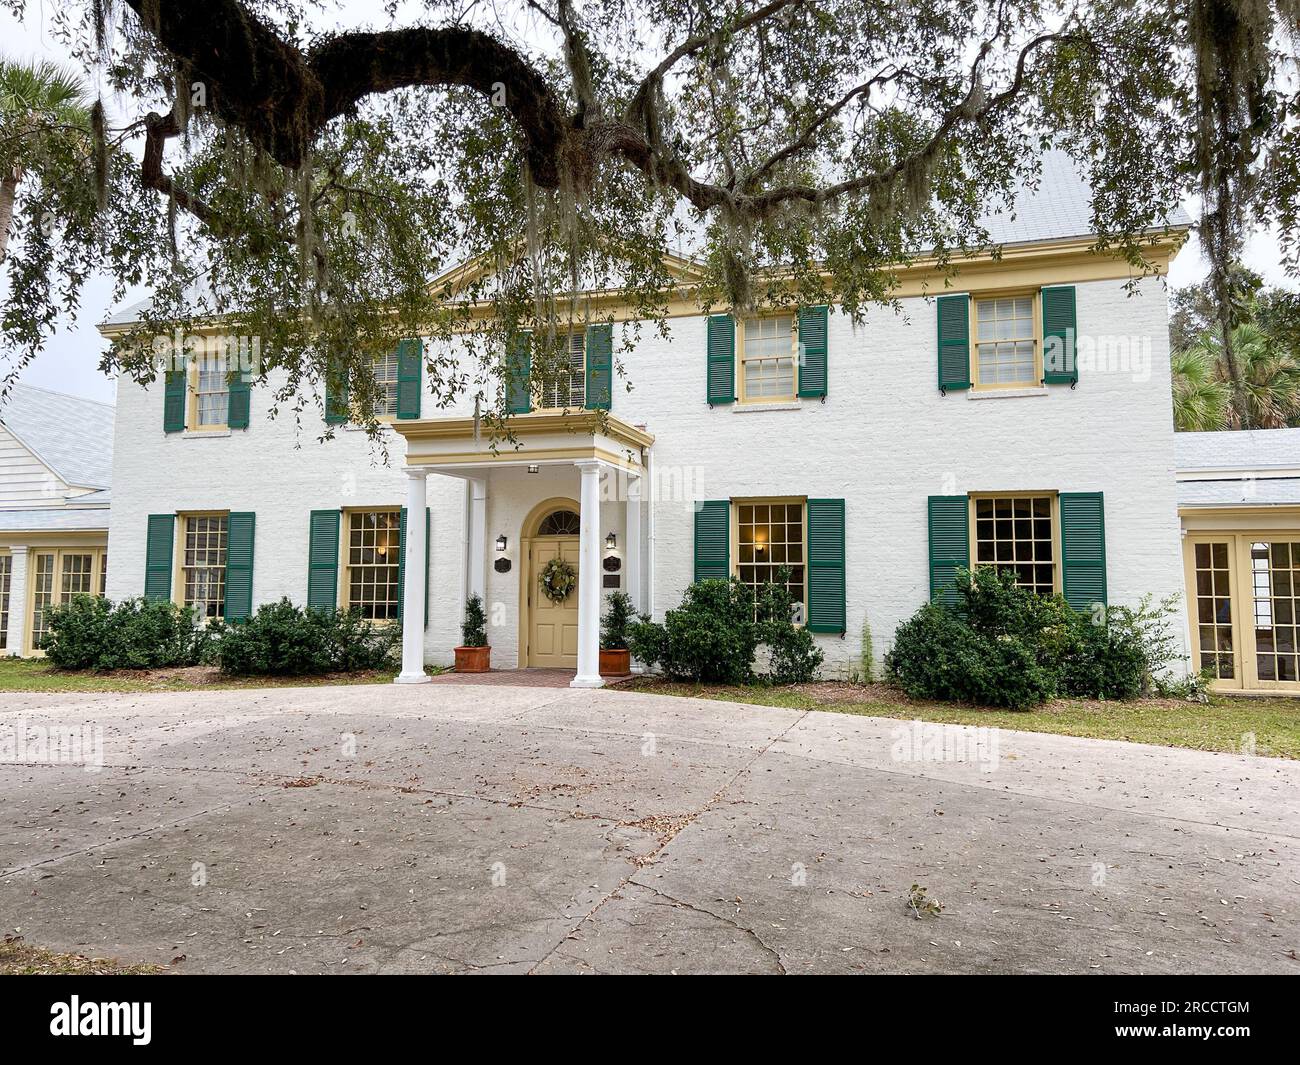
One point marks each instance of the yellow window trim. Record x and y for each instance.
(344, 586)
(1241, 595)
(1051, 494)
(178, 552)
(1035, 312)
(192, 403)
(734, 546)
(56, 593)
(741, 395)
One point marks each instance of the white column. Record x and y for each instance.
(588, 675)
(416, 565)
(476, 584)
(16, 640)
(632, 551)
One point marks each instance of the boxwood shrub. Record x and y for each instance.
(89, 632)
(281, 639)
(1002, 645)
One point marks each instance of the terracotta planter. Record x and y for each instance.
(473, 659)
(616, 663)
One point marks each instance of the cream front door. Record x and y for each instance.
(552, 627)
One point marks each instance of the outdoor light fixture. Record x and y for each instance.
(501, 543)
(611, 542)
(533, 467)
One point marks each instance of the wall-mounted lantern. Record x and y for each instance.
(501, 542)
(611, 542)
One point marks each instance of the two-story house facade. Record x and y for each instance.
(1017, 415)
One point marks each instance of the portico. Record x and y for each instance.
(519, 503)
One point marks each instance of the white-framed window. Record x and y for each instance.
(203, 563)
(568, 389)
(1017, 532)
(209, 406)
(386, 370)
(768, 358)
(1006, 342)
(771, 539)
(372, 563)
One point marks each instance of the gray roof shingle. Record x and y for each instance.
(71, 435)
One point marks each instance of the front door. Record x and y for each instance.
(552, 627)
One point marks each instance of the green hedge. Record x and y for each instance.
(280, 639)
(1001, 645)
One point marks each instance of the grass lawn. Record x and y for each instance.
(37, 675)
(1220, 725)
(18, 959)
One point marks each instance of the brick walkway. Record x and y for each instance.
(527, 678)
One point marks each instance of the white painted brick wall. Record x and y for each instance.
(884, 440)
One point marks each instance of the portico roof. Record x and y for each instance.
(541, 438)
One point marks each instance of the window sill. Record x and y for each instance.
(1006, 393)
(750, 408)
(204, 434)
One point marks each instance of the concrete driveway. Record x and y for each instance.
(450, 828)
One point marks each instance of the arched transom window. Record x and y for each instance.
(559, 523)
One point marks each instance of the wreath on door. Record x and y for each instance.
(558, 578)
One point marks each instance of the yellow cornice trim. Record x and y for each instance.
(528, 425)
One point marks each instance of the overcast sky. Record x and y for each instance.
(70, 360)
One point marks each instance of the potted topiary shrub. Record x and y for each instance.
(474, 655)
(615, 658)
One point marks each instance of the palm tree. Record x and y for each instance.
(1200, 395)
(38, 101)
(1269, 393)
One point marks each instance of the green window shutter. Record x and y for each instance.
(954, 342)
(721, 386)
(410, 354)
(1083, 549)
(174, 401)
(238, 401)
(600, 365)
(949, 524)
(812, 351)
(401, 563)
(826, 566)
(518, 372)
(323, 560)
(158, 556)
(336, 397)
(1059, 331)
(713, 540)
(239, 565)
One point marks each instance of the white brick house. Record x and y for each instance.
(883, 481)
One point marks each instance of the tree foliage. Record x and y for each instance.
(275, 164)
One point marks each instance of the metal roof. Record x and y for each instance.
(71, 435)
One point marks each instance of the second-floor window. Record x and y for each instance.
(386, 369)
(1006, 345)
(767, 358)
(568, 389)
(209, 393)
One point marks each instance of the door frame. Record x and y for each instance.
(1242, 587)
(527, 533)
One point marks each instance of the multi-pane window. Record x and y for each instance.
(211, 393)
(1275, 576)
(386, 384)
(1214, 608)
(1004, 341)
(203, 563)
(569, 387)
(57, 575)
(373, 562)
(1015, 533)
(767, 358)
(771, 547)
(6, 578)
